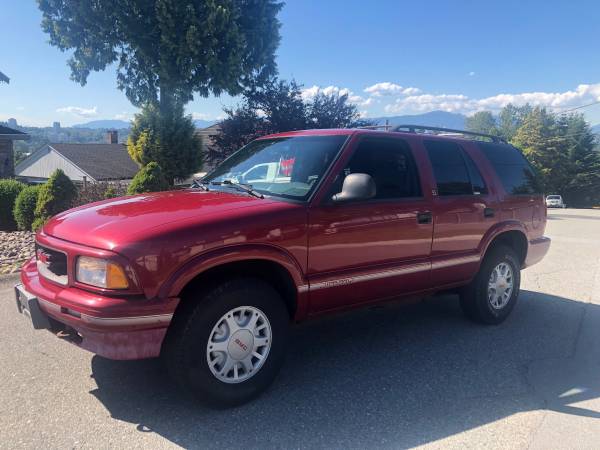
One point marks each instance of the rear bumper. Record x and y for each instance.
(115, 328)
(536, 250)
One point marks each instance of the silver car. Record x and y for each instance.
(555, 201)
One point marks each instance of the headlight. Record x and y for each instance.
(100, 273)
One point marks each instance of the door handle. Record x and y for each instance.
(488, 212)
(424, 217)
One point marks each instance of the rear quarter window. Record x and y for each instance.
(515, 173)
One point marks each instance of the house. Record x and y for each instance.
(82, 163)
(7, 136)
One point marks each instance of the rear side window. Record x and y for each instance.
(515, 172)
(455, 173)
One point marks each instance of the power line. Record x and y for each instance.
(579, 107)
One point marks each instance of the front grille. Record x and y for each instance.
(51, 264)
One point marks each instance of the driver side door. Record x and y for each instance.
(371, 249)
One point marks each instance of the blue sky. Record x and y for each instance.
(392, 57)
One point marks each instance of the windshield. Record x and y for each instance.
(553, 197)
(284, 167)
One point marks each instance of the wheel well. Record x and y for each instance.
(268, 271)
(513, 239)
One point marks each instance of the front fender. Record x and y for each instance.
(236, 253)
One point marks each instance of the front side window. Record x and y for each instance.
(289, 167)
(515, 173)
(391, 165)
(449, 168)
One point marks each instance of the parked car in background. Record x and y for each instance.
(555, 201)
(211, 277)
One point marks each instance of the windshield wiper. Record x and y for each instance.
(244, 187)
(200, 184)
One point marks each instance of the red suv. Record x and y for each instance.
(292, 226)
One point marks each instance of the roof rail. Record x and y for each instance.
(413, 128)
(386, 127)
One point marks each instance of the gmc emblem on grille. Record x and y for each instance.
(44, 257)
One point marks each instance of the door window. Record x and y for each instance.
(391, 165)
(455, 173)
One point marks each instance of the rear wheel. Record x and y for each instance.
(492, 295)
(229, 347)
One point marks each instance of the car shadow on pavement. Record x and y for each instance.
(397, 375)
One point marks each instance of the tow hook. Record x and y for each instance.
(70, 334)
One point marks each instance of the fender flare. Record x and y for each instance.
(496, 230)
(199, 264)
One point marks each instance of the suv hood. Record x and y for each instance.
(110, 223)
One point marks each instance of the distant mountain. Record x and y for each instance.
(97, 124)
(204, 123)
(433, 119)
(120, 124)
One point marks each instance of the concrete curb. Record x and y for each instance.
(9, 279)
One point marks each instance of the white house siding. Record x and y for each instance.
(44, 162)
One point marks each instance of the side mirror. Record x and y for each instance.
(357, 186)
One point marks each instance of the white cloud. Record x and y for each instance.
(386, 88)
(78, 111)
(557, 101)
(311, 92)
(20, 108)
(124, 116)
(471, 74)
(201, 116)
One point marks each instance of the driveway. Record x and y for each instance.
(395, 376)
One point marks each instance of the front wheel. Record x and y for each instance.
(492, 295)
(229, 347)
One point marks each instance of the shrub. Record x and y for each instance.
(9, 190)
(150, 178)
(25, 207)
(55, 196)
(168, 138)
(110, 192)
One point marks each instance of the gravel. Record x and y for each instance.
(16, 247)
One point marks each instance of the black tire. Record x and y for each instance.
(185, 347)
(474, 297)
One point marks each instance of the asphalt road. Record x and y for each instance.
(395, 376)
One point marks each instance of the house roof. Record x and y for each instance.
(12, 134)
(100, 161)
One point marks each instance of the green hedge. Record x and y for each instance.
(9, 190)
(55, 196)
(150, 178)
(25, 207)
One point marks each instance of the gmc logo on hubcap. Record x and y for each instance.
(241, 344)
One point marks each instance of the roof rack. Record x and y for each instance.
(413, 128)
(386, 127)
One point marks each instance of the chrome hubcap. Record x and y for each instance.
(239, 344)
(500, 285)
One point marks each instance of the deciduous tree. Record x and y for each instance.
(278, 106)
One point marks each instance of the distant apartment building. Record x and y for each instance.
(56, 125)
(12, 123)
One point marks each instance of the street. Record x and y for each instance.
(394, 376)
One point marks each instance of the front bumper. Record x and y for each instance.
(113, 327)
